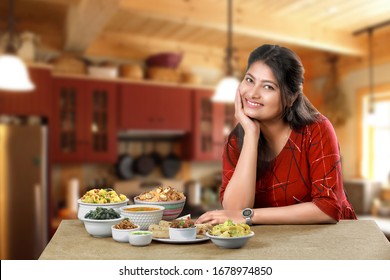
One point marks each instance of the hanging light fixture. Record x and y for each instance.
(371, 102)
(227, 87)
(13, 72)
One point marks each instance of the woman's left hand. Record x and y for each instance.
(250, 125)
(220, 216)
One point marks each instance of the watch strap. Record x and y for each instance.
(247, 213)
(248, 221)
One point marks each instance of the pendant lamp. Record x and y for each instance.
(13, 72)
(371, 104)
(227, 87)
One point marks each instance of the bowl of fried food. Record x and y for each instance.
(172, 200)
(230, 235)
(120, 231)
(94, 198)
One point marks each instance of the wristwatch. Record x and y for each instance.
(247, 213)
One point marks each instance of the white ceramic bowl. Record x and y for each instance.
(172, 208)
(122, 235)
(182, 233)
(100, 228)
(84, 208)
(143, 218)
(140, 237)
(230, 242)
(103, 71)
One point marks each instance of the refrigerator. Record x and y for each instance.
(24, 220)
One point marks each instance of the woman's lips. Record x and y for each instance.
(252, 104)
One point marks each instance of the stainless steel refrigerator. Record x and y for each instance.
(23, 190)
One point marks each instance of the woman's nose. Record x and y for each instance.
(252, 92)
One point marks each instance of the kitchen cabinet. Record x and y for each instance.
(154, 107)
(212, 122)
(84, 121)
(36, 102)
(225, 122)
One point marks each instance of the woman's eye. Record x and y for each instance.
(269, 87)
(249, 80)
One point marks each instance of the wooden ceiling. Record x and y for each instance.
(131, 30)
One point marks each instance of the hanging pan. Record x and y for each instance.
(124, 165)
(144, 164)
(157, 158)
(171, 164)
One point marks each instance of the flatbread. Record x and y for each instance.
(162, 229)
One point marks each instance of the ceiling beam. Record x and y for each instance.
(86, 21)
(213, 16)
(59, 2)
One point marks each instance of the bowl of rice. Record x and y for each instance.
(94, 198)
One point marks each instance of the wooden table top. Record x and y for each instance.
(346, 240)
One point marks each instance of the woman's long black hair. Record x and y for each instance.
(297, 109)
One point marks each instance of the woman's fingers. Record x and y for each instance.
(237, 104)
(239, 111)
(248, 124)
(219, 217)
(210, 217)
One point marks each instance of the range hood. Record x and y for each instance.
(136, 134)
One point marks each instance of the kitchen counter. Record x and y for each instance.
(346, 240)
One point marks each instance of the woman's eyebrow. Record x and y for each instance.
(249, 74)
(269, 81)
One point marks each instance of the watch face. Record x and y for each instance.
(247, 212)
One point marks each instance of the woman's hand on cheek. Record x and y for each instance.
(248, 124)
(220, 216)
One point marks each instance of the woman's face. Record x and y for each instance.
(260, 93)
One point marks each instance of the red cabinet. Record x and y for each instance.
(36, 102)
(152, 107)
(84, 121)
(212, 122)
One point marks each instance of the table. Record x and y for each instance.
(346, 240)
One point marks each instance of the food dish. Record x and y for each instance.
(182, 233)
(84, 208)
(161, 230)
(140, 238)
(230, 242)
(143, 218)
(102, 196)
(187, 241)
(172, 208)
(172, 200)
(120, 231)
(100, 228)
(161, 194)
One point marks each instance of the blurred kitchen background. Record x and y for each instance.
(122, 99)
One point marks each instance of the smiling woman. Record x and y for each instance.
(283, 158)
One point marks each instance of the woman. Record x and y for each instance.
(281, 163)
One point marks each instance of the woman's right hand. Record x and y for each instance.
(250, 126)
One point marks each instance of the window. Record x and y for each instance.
(376, 139)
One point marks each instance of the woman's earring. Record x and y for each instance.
(289, 114)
